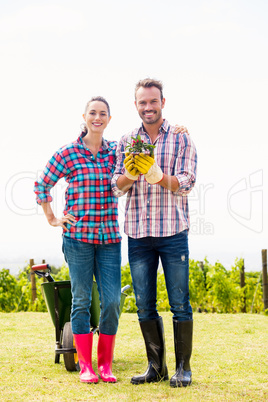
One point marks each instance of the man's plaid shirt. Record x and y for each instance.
(89, 197)
(152, 210)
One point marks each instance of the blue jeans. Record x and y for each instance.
(144, 256)
(104, 262)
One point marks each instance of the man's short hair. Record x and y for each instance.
(148, 83)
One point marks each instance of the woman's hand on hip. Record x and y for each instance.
(68, 218)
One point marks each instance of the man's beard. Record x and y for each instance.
(157, 116)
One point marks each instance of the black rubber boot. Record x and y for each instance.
(153, 334)
(183, 336)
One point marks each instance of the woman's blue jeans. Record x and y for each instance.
(144, 256)
(104, 262)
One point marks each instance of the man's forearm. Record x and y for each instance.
(169, 182)
(124, 184)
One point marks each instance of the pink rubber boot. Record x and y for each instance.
(105, 357)
(83, 344)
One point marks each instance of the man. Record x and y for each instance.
(157, 224)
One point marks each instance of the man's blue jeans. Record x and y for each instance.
(104, 262)
(144, 256)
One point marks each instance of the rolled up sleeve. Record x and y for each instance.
(186, 165)
(53, 172)
(119, 169)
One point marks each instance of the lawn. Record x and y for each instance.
(229, 361)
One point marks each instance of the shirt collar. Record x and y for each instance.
(105, 145)
(163, 129)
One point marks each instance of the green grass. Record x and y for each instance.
(229, 361)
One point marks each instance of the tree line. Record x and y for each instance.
(213, 289)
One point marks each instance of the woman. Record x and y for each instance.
(91, 238)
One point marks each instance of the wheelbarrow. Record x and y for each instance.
(58, 299)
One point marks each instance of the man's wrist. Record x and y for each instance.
(170, 183)
(130, 176)
(124, 184)
(154, 175)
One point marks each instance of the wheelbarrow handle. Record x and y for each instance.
(38, 270)
(125, 288)
(41, 267)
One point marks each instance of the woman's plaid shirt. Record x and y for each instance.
(89, 197)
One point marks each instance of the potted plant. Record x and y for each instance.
(138, 146)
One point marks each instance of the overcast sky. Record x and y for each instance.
(212, 58)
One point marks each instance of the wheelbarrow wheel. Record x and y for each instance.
(70, 359)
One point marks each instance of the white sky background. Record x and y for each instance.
(212, 57)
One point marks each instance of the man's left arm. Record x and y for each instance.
(186, 166)
(170, 182)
